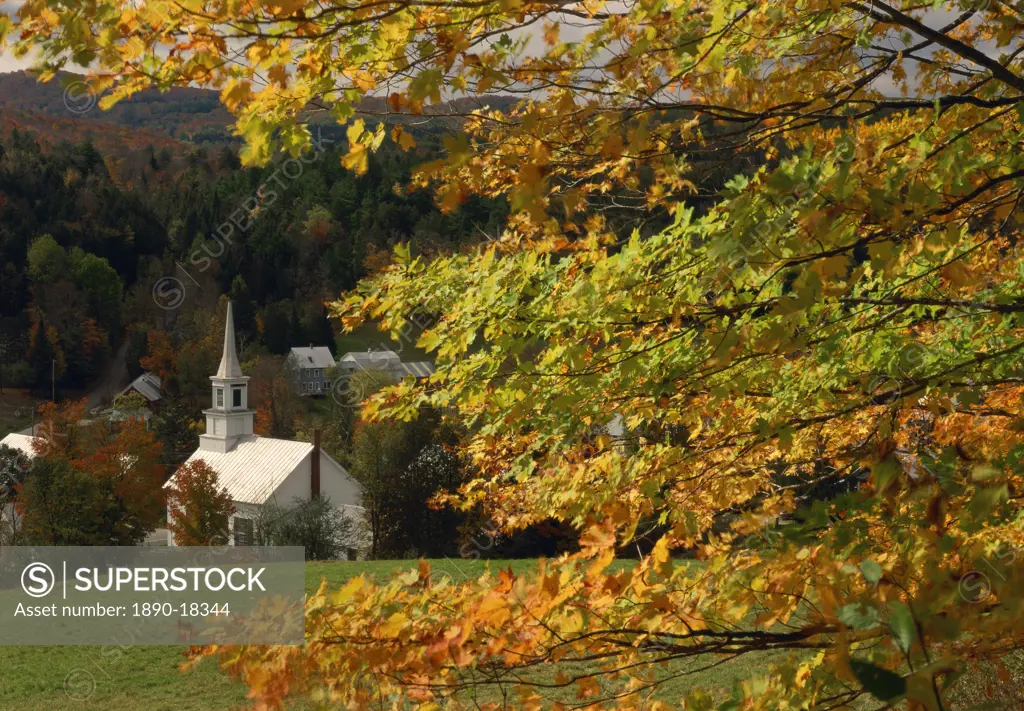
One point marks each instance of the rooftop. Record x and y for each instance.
(371, 359)
(312, 357)
(147, 384)
(21, 442)
(419, 369)
(255, 467)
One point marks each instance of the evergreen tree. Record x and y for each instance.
(243, 307)
(41, 356)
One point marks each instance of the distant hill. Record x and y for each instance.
(109, 138)
(183, 114)
(192, 115)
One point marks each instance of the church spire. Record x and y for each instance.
(229, 367)
(229, 420)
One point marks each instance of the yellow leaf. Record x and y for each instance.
(354, 133)
(235, 94)
(395, 624)
(660, 555)
(357, 159)
(403, 138)
(349, 589)
(613, 147)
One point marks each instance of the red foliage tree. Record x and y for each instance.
(160, 358)
(197, 510)
(122, 460)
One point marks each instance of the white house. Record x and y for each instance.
(23, 444)
(260, 470)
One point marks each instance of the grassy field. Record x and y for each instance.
(16, 407)
(148, 678)
(369, 337)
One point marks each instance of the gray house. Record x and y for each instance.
(310, 366)
(148, 386)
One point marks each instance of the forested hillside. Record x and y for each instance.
(120, 256)
(186, 114)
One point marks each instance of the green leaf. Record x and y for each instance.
(859, 616)
(886, 472)
(987, 498)
(901, 620)
(984, 472)
(872, 571)
(881, 683)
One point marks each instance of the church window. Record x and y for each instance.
(236, 396)
(243, 531)
(220, 397)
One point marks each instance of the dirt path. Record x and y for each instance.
(110, 382)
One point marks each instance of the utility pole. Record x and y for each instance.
(53, 380)
(3, 360)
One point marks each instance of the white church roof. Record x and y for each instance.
(22, 443)
(255, 467)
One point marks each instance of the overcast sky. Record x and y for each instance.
(7, 62)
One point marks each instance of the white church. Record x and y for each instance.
(258, 470)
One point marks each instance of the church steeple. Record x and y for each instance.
(229, 419)
(229, 367)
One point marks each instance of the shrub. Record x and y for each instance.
(323, 530)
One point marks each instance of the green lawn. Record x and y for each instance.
(148, 678)
(16, 407)
(369, 337)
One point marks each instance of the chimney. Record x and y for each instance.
(314, 467)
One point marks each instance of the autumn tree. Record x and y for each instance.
(59, 505)
(76, 303)
(846, 306)
(185, 354)
(177, 424)
(159, 357)
(272, 394)
(108, 474)
(198, 512)
(399, 469)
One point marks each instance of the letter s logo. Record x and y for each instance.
(37, 579)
